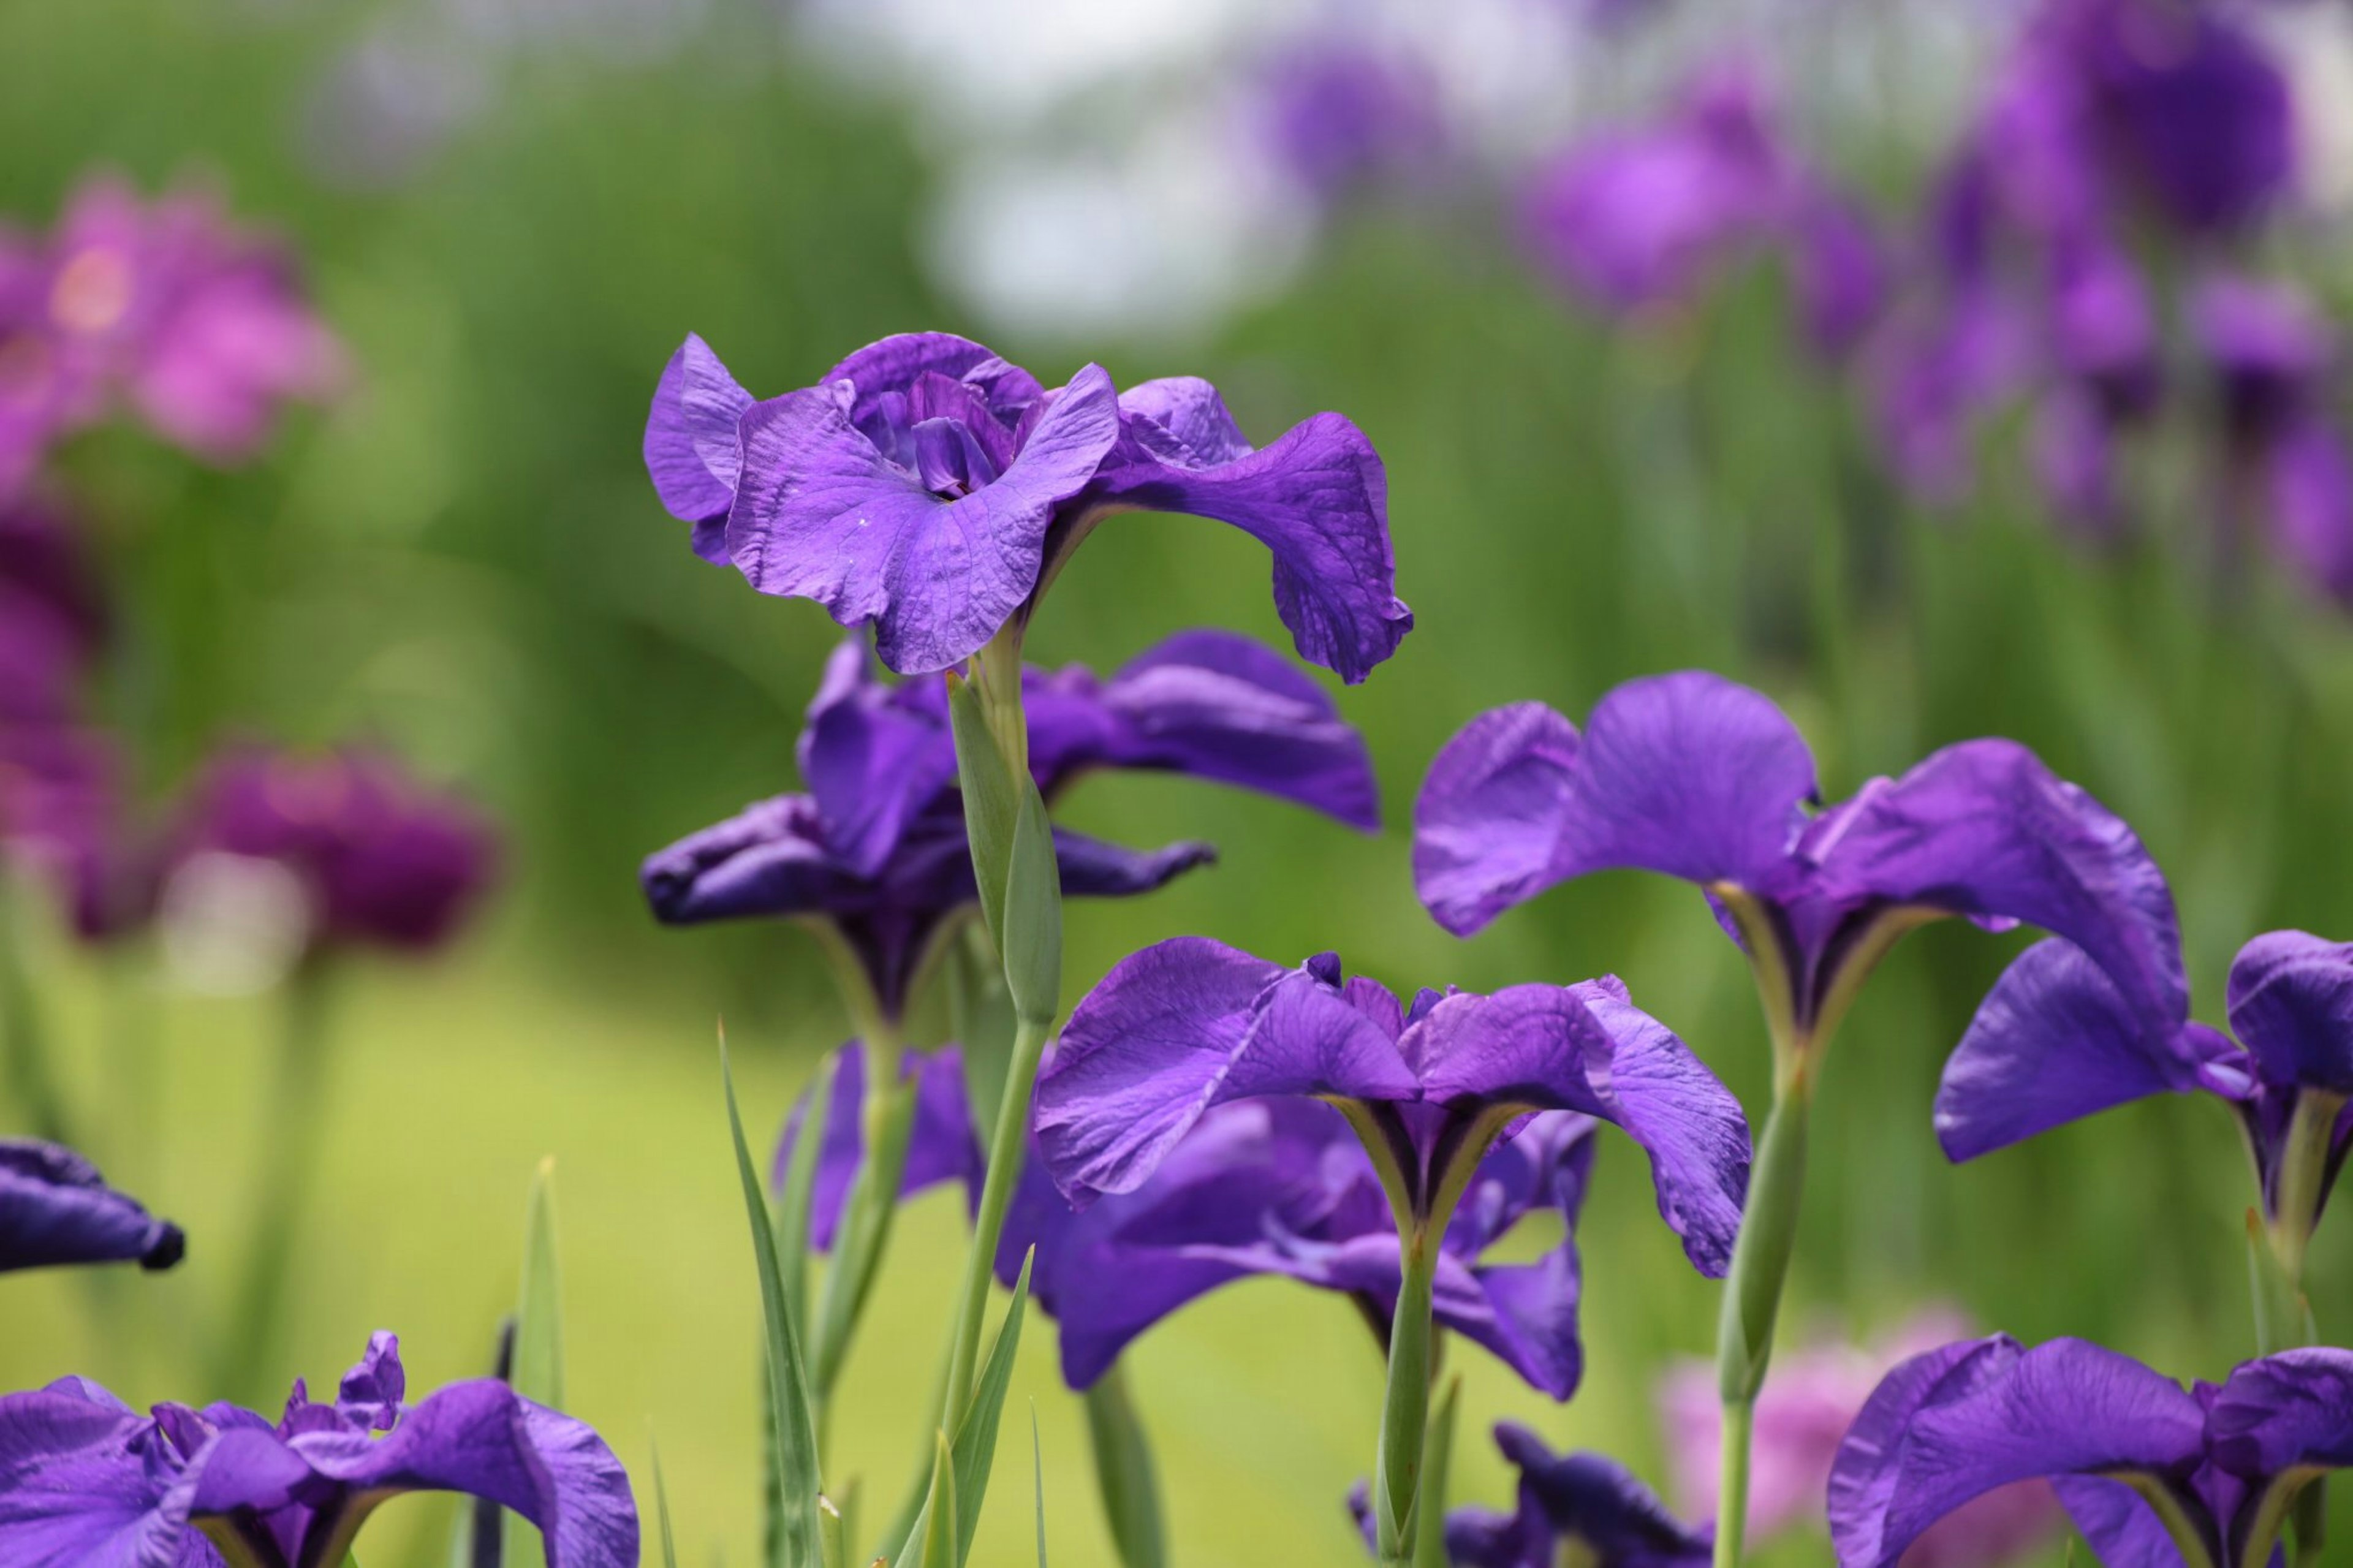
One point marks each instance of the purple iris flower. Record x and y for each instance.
(1261, 1187)
(2151, 1473)
(89, 1480)
(877, 846)
(1190, 1025)
(55, 1208)
(2054, 1041)
(386, 861)
(929, 488)
(202, 329)
(1693, 776)
(2286, 464)
(1639, 218)
(1571, 1508)
(50, 620)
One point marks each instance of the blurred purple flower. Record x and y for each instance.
(1340, 116)
(384, 861)
(1260, 1187)
(1809, 1401)
(199, 329)
(931, 488)
(876, 845)
(1637, 219)
(2053, 1042)
(1571, 1508)
(65, 819)
(90, 1481)
(50, 620)
(55, 1208)
(1695, 777)
(2115, 1439)
(1189, 1023)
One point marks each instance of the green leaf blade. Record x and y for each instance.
(536, 1370)
(976, 1444)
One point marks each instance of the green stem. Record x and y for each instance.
(23, 1032)
(1005, 1147)
(1405, 1406)
(1752, 1298)
(289, 1163)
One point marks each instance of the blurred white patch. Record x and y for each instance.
(233, 925)
(2315, 42)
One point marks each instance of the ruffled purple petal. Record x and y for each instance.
(483, 1439)
(887, 369)
(1181, 1027)
(2054, 1041)
(2283, 1412)
(1599, 1504)
(1317, 499)
(1984, 829)
(821, 513)
(1587, 1048)
(84, 1481)
(55, 1208)
(692, 449)
(1220, 706)
(1955, 1423)
(2291, 1005)
(1491, 815)
(371, 1393)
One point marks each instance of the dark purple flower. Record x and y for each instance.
(386, 861)
(1639, 218)
(50, 621)
(932, 490)
(55, 1208)
(85, 1480)
(877, 844)
(165, 308)
(64, 819)
(2053, 1041)
(1696, 777)
(1189, 1023)
(1339, 116)
(1572, 1507)
(1260, 1187)
(2149, 1470)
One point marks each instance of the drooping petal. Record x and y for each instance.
(55, 1208)
(1183, 1026)
(821, 513)
(693, 450)
(1492, 813)
(941, 1142)
(2291, 1005)
(2117, 1524)
(483, 1439)
(1587, 1048)
(1955, 1423)
(1983, 829)
(1220, 706)
(767, 860)
(2054, 1041)
(1317, 498)
(1097, 869)
(1689, 775)
(83, 1482)
(1598, 1503)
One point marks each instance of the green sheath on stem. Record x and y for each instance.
(1405, 1408)
(1124, 1473)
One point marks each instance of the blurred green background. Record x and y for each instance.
(465, 558)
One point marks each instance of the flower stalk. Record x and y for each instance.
(1405, 1407)
(1752, 1296)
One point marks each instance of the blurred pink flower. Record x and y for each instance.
(166, 308)
(1811, 1397)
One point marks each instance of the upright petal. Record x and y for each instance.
(483, 1439)
(1587, 1048)
(2291, 1002)
(1181, 1027)
(1983, 829)
(692, 450)
(2054, 1041)
(1222, 707)
(372, 1391)
(1317, 499)
(821, 513)
(1955, 1423)
(55, 1208)
(872, 762)
(1488, 825)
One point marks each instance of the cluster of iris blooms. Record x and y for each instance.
(1205, 1114)
(165, 312)
(2094, 250)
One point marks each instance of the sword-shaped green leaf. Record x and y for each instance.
(1437, 1458)
(976, 1444)
(940, 1550)
(661, 1512)
(992, 801)
(1124, 1473)
(796, 1468)
(1037, 1476)
(537, 1368)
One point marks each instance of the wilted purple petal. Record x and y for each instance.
(55, 1208)
(1590, 1501)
